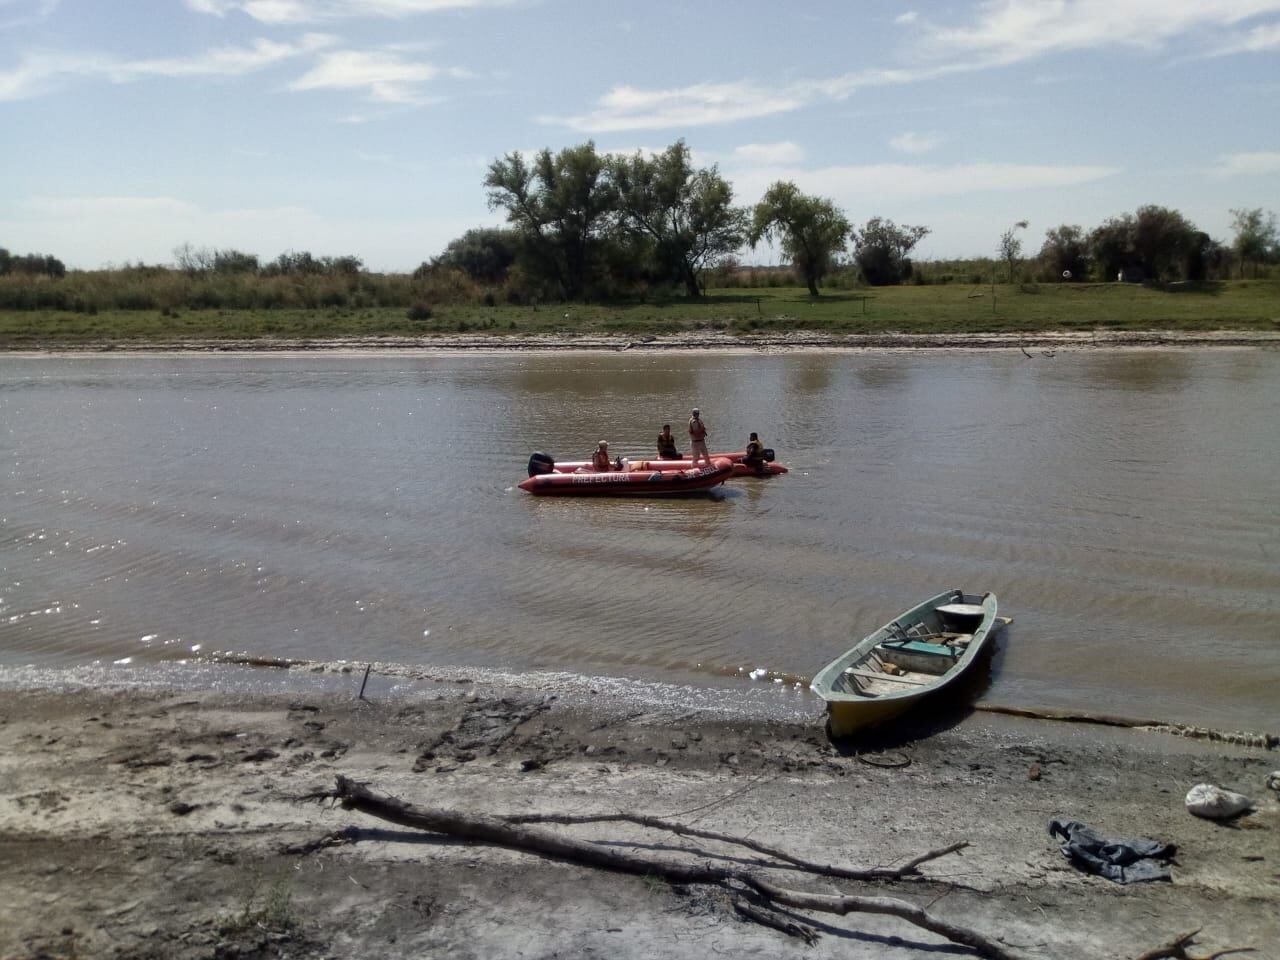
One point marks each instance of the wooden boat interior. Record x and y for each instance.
(898, 658)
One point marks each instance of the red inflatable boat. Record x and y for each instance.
(740, 469)
(631, 482)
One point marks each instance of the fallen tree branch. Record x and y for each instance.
(775, 922)
(910, 868)
(547, 843)
(1176, 949)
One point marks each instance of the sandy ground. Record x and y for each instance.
(1035, 343)
(154, 824)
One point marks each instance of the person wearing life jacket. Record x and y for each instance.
(698, 438)
(667, 444)
(755, 453)
(600, 462)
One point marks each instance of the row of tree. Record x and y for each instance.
(1155, 243)
(582, 221)
(199, 261)
(576, 213)
(30, 265)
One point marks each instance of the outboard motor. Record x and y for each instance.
(540, 463)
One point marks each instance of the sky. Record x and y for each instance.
(365, 127)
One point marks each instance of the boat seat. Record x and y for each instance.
(961, 609)
(877, 675)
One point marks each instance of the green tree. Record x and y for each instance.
(485, 255)
(1162, 240)
(1011, 247)
(1111, 245)
(234, 261)
(1255, 236)
(810, 230)
(1065, 252)
(560, 204)
(881, 250)
(686, 213)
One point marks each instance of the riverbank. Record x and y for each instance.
(155, 823)
(737, 316)
(1035, 343)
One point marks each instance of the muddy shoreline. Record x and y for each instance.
(156, 823)
(1030, 341)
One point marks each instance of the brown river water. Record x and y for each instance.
(1124, 505)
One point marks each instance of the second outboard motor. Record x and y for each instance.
(540, 463)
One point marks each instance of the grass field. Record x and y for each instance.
(1237, 305)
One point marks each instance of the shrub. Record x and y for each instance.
(419, 311)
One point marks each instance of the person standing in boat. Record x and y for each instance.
(698, 438)
(755, 453)
(600, 458)
(667, 444)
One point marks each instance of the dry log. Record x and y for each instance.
(908, 869)
(775, 922)
(1176, 949)
(547, 843)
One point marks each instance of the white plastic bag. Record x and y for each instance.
(1214, 803)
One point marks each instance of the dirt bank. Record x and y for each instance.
(688, 340)
(157, 824)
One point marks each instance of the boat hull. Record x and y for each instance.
(920, 654)
(629, 483)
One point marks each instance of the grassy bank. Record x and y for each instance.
(1237, 305)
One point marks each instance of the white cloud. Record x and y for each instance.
(78, 208)
(383, 76)
(1003, 32)
(20, 13)
(769, 153)
(851, 185)
(628, 108)
(909, 17)
(1010, 31)
(311, 11)
(1258, 40)
(38, 72)
(914, 143)
(222, 61)
(1257, 164)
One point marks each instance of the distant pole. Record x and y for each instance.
(364, 681)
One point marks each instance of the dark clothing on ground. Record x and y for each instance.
(1124, 861)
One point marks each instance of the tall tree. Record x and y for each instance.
(1065, 252)
(1011, 247)
(881, 249)
(484, 254)
(1111, 245)
(560, 204)
(687, 213)
(1255, 236)
(1162, 238)
(810, 230)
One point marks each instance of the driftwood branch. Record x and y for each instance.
(1176, 949)
(547, 843)
(772, 920)
(908, 869)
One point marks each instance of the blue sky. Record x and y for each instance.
(365, 126)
